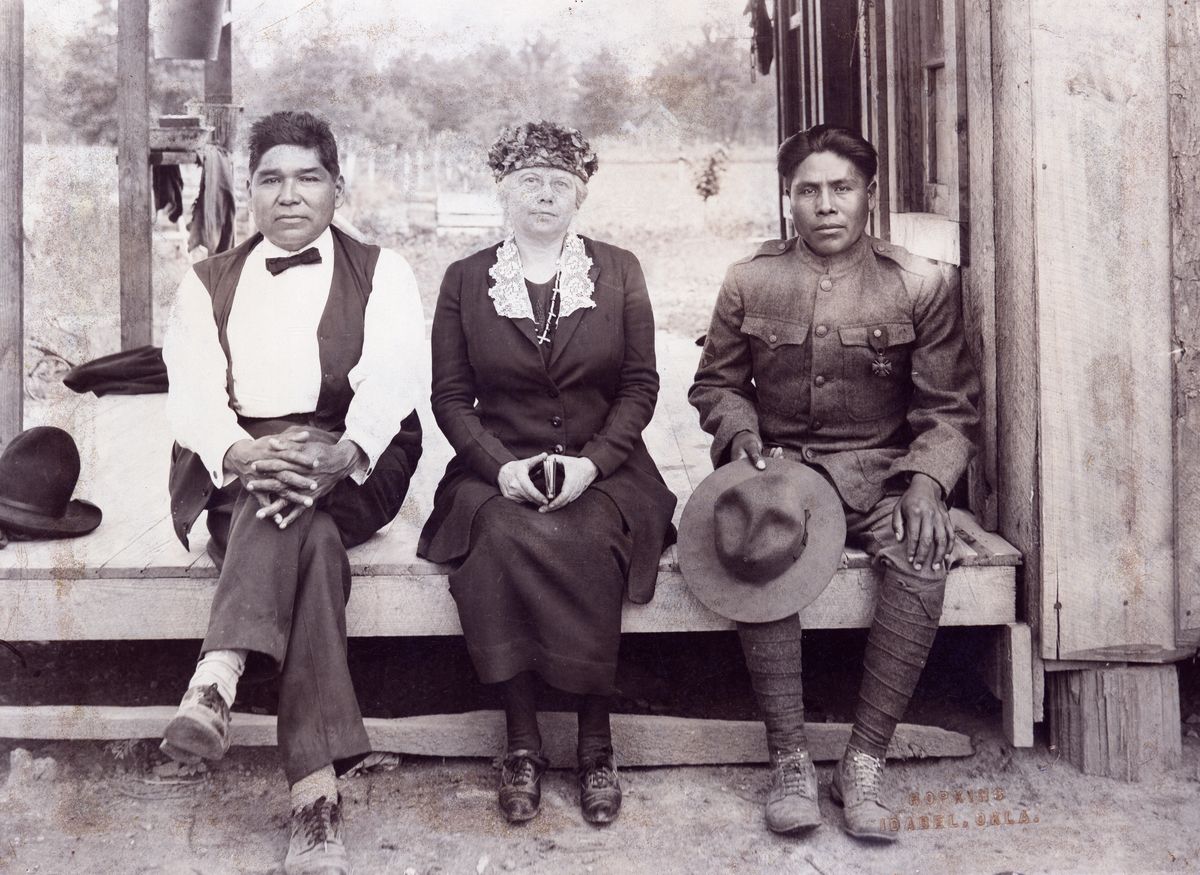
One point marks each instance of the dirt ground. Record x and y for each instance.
(91, 807)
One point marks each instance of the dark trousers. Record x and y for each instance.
(282, 596)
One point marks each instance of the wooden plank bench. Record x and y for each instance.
(131, 579)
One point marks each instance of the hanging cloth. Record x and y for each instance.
(213, 211)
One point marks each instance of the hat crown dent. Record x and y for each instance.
(40, 469)
(760, 527)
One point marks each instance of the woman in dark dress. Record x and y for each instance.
(543, 351)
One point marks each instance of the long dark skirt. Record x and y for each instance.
(542, 592)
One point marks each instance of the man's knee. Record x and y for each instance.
(926, 587)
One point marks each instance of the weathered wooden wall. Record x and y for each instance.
(1016, 303)
(1100, 219)
(1183, 62)
(12, 234)
(979, 286)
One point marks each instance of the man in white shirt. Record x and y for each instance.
(295, 361)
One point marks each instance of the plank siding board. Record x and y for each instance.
(979, 280)
(1016, 307)
(133, 157)
(12, 230)
(1104, 325)
(643, 740)
(1183, 59)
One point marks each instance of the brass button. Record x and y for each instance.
(822, 330)
(782, 246)
(827, 284)
(820, 381)
(817, 424)
(558, 448)
(772, 338)
(556, 421)
(877, 333)
(808, 453)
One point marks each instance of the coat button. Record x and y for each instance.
(556, 421)
(877, 333)
(822, 330)
(827, 284)
(552, 392)
(820, 381)
(817, 425)
(782, 246)
(808, 453)
(772, 338)
(559, 448)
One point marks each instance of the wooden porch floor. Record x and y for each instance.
(132, 579)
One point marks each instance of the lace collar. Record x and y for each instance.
(575, 287)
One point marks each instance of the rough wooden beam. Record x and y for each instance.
(1120, 722)
(12, 229)
(133, 157)
(1183, 63)
(640, 740)
(1008, 671)
(386, 605)
(1016, 300)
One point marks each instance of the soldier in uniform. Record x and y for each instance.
(845, 353)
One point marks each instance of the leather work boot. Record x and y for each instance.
(200, 728)
(599, 789)
(856, 785)
(521, 784)
(316, 846)
(792, 798)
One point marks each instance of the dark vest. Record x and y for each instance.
(339, 339)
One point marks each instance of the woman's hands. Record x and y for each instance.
(514, 481)
(516, 485)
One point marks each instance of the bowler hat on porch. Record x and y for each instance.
(757, 546)
(38, 472)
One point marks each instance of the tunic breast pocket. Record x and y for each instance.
(781, 360)
(876, 368)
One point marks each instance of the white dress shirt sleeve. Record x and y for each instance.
(392, 372)
(198, 410)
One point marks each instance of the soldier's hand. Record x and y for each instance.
(748, 445)
(922, 522)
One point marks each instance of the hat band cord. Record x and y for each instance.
(21, 505)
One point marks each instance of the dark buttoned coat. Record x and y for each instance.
(496, 401)
(855, 362)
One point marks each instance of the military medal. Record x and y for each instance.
(881, 366)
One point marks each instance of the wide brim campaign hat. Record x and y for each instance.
(38, 473)
(757, 546)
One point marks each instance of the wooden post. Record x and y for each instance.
(12, 229)
(219, 110)
(1117, 722)
(133, 158)
(1183, 62)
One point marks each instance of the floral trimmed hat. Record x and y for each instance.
(542, 144)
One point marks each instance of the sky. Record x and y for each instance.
(634, 29)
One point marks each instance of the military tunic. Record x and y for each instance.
(853, 363)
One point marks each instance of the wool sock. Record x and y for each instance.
(310, 788)
(595, 733)
(220, 667)
(898, 644)
(772, 652)
(520, 713)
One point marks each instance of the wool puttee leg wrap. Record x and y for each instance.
(901, 636)
(772, 652)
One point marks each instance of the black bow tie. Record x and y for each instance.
(276, 266)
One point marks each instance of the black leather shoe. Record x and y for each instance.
(200, 728)
(521, 784)
(599, 789)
